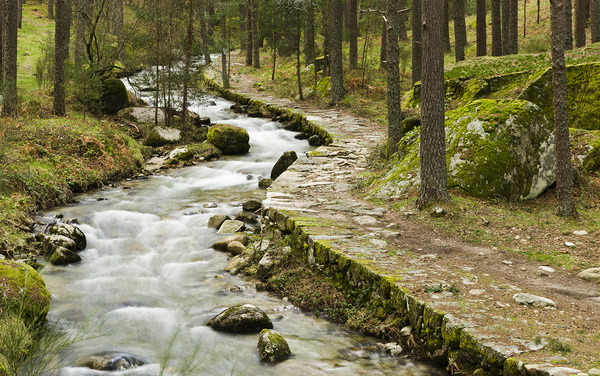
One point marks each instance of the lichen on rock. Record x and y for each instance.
(272, 347)
(230, 139)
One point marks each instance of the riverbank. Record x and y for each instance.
(457, 299)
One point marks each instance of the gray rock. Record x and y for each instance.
(182, 154)
(63, 256)
(112, 362)
(160, 136)
(236, 248)
(246, 318)
(315, 140)
(247, 218)
(592, 275)
(143, 115)
(265, 267)
(544, 271)
(53, 242)
(365, 220)
(265, 183)
(272, 347)
(533, 300)
(237, 264)
(114, 96)
(285, 161)
(550, 370)
(231, 226)
(594, 372)
(222, 244)
(216, 221)
(252, 205)
(72, 232)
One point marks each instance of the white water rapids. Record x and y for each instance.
(149, 274)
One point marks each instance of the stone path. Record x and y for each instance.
(465, 296)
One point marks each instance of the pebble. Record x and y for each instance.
(506, 262)
(580, 232)
(569, 244)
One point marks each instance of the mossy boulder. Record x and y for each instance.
(23, 292)
(494, 148)
(591, 162)
(241, 318)
(272, 347)
(583, 96)
(229, 138)
(114, 96)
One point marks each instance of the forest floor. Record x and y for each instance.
(468, 263)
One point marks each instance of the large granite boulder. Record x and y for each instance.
(494, 148)
(160, 136)
(143, 115)
(241, 318)
(24, 292)
(272, 347)
(229, 138)
(114, 96)
(71, 232)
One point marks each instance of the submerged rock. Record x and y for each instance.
(246, 318)
(112, 362)
(229, 138)
(282, 164)
(272, 347)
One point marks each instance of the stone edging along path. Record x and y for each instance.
(347, 240)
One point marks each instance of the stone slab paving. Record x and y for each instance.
(481, 323)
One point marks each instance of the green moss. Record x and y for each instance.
(592, 160)
(24, 292)
(114, 96)
(229, 138)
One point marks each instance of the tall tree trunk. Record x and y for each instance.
(325, 14)
(496, 29)
(249, 36)
(9, 79)
(564, 173)
(580, 22)
(402, 34)
(203, 32)
(481, 28)
(298, 36)
(417, 45)
(383, 49)
(255, 35)
(19, 13)
(117, 27)
(513, 27)
(434, 177)
(309, 36)
(2, 46)
(505, 27)
(188, 55)
(460, 29)
(568, 26)
(353, 21)
(82, 9)
(51, 9)
(595, 20)
(224, 51)
(61, 52)
(242, 25)
(335, 61)
(394, 92)
(447, 45)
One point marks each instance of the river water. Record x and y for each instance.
(150, 281)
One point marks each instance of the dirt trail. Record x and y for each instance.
(474, 284)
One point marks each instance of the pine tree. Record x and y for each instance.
(61, 53)
(564, 170)
(394, 91)
(335, 51)
(580, 22)
(434, 177)
(353, 43)
(9, 79)
(496, 29)
(460, 30)
(595, 20)
(417, 46)
(481, 28)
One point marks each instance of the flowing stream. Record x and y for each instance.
(150, 280)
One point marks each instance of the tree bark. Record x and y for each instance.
(61, 52)
(496, 29)
(19, 13)
(417, 46)
(595, 20)
(335, 35)
(568, 25)
(394, 92)
(249, 36)
(309, 36)
(447, 45)
(203, 32)
(51, 9)
(513, 27)
(481, 28)
(383, 49)
(242, 25)
(188, 55)
(460, 30)
(10, 104)
(2, 14)
(434, 177)
(564, 173)
(298, 36)
(117, 26)
(255, 36)
(353, 21)
(505, 28)
(580, 22)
